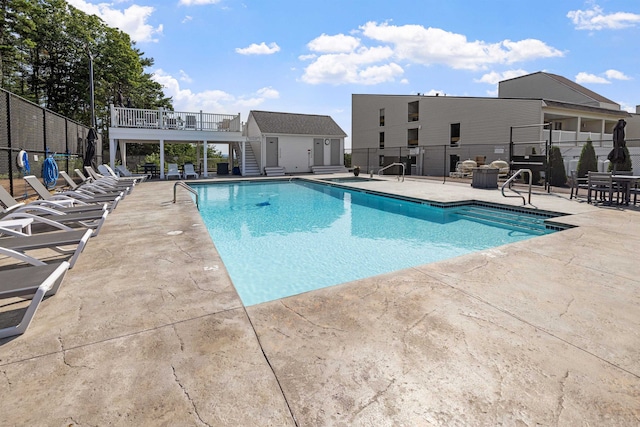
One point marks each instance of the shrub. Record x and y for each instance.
(588, 161)
(558, 176)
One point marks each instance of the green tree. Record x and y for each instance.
(558, 173)
(587, 161)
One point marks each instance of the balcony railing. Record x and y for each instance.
(122, 117)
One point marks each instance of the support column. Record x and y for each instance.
(162, 159)
(243, 163)
(206, 171)
(578, 130)
(112, 153)
(123, 152)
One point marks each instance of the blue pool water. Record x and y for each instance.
(278, 239)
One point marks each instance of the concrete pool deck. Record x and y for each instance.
(147, 329)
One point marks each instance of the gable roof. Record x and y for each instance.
(296, 124)
(573, 86)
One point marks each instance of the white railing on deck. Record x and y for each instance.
(179, 120)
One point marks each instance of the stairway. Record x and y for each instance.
(251, 167)
(329, 169)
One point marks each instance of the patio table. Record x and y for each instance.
(625, 182)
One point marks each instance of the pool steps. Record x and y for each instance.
(521, 221)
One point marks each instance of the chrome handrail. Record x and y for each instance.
(191, 190)
(393, 164)
(510, 180)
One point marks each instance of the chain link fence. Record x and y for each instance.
(41, 133)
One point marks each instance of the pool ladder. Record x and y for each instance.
(189, 189)
(393, 164)
(510, 180)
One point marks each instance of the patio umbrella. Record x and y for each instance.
(91, 147)
(617, 155)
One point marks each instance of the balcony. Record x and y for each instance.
(139, 118)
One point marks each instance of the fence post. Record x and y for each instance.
(10, 153)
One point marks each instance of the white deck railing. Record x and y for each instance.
(122, 117)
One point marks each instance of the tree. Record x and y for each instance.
(588, 160)
(558, 176)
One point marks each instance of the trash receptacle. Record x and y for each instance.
(485, 178)
(223, 169)
(235, 170)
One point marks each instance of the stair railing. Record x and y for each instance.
(513, 178)
(393, 164)
(189, 189)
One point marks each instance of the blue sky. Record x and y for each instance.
(233, 56)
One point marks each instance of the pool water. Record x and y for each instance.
(278, 239)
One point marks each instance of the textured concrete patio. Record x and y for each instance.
(147, 329)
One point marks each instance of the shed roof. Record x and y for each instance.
(296, 124)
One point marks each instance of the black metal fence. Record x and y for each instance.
(41, 133)
(441, 160)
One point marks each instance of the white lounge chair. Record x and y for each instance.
(63, 242)
(73, 198)
(125, 173)
(44, 206)
(173, 171)
(33, 281)
(189, 171)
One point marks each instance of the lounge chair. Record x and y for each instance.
(124, 172)
(189, 171)
(106, 171)
(110, 181)
(73, 198)
(34, 281)
(173, 171)
(43, 206)
(93, 220)
(16, 246)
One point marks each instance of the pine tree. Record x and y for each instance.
(558, 176)
(588, 160)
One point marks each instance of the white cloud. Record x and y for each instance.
(197, 2)
(596, 19)
(342, 59)
(493, 78)
(132, 20)
(430, 46)
(214, 101)
(184, 77)
(187, 18)
(627, 107)
(583, 77)
(616, 75)
(355, 67)
(334, 44)
(259, 49)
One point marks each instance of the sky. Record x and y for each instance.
(309, 57)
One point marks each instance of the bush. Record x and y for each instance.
(558, 176)
(588, 161)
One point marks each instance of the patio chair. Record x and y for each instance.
(124, 172)
(601, 185)
(173, 171)
(63, 242)
(109, 181)
(577, 184)
(189, 171)
(93, 220)
(106, 170)
(34, 282)
(44, 206)
(75, 197)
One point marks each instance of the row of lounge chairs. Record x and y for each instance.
(63, 222)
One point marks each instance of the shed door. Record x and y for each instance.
(272, 152)
(318, 152)
(335, 152)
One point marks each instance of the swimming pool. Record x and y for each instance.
(283, 238)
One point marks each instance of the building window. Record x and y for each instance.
(412, 137)
(382, 117)
(414, 111)
(380, 160)
(455, 134)
(557, 125)
(381, 139)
